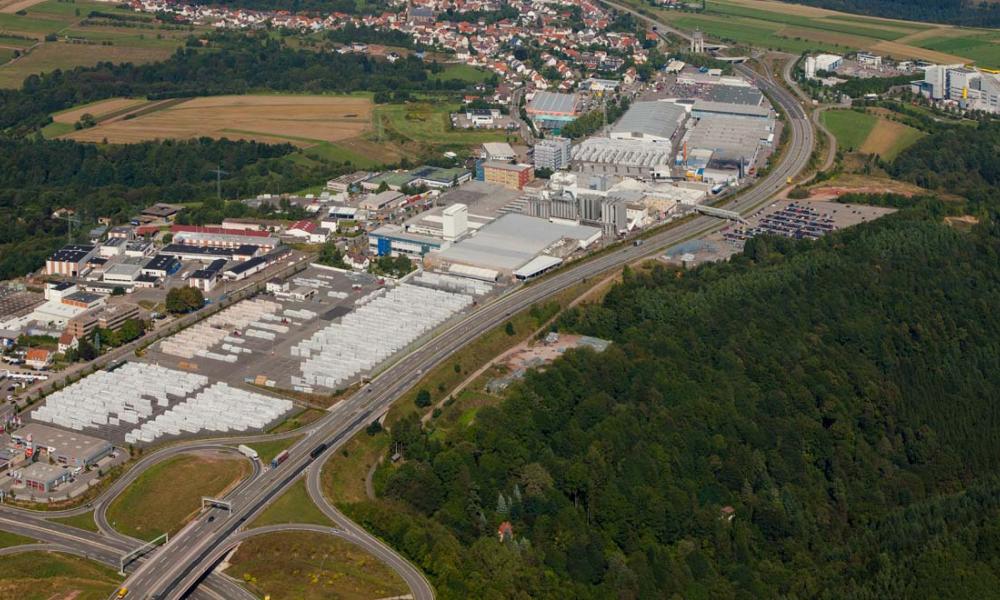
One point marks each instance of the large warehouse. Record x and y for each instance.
(553, 111)
(514, 240)
(64, 447)
(650, 121)
(623, 158)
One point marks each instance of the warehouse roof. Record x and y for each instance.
(72, 253)
(512, 241)
(734, 94)
(551, 102)
(653, 118)
(65, 442)
(731, 108)
(635, 153)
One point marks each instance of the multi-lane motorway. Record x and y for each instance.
(182, 568)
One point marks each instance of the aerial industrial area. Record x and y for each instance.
(158, 335)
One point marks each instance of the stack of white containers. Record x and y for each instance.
(126, 394)
(197, 339)
(451, 283)
(382, 323)
(217, 408)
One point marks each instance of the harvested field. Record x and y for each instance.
(59, 55)
(828, 37)
(889, 138)
(98, 109)
(300, 120)
(16, 5)
(905, 51)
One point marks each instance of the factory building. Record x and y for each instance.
(162, 265)
(721, 149)
(508, 175)
(553, 153)
(226, 240)
(70, 260)
(382, 201)
(206, 279)
(64, 447)
(245, 269)
(187, 252)
(41, 477)
(500, 151)
(126, 272)
(392, 239)
(704, 109)
(551, 110)
(650, 121)
(111, 317)
(623, 158)
(971, 88)
(514, 240)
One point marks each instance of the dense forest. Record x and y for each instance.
(811, 419)
(955, 159)
(39, 176)
(234, 64)
(973, 13)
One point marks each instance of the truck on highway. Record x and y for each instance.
(280, 458)
(247, 451)
(317, 451)
(122, 592)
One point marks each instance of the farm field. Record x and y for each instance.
(312, 566)
(52, 575)
(869, 133)
(796, 28)
(99, 110)
(80, 41)
(299, 120)
(166, 496)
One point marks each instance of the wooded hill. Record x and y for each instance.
(839, 395)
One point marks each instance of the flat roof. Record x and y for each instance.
(161, 262)
(537, 265)
(65, 442)
(72, 253)
(246, 265)
(512, 241)
(657, 118)
(636, 153)
(734, 94)
(397, 233)
(41, 471)
(209, 251)
(502, 148)
(729, 107)
(552, 102)
(85, 297)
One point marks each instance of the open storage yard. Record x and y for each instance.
(795, 28)
(301, 120)
(139, 402)
(324, 331)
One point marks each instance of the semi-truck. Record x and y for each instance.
(317, 451)
(247, 451)
(280, 458)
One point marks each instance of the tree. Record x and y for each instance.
(86, 350)
(184, 300)
(509, 328)
(118, 291)
(423, 398)
(382, 187)
(331, 256)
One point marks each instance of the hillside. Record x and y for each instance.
(837, 395)
(955, 12)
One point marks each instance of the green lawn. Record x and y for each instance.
(6, 54)
(293, 506)
(54, 129)
(429, 122)
(84, 521)
(460, 71)
(340, 153)
(851, 128)
(8, 539)
(312, 566)
(168, 495)
(55, 576)
(984, 49)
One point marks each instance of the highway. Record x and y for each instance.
(183, 567)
